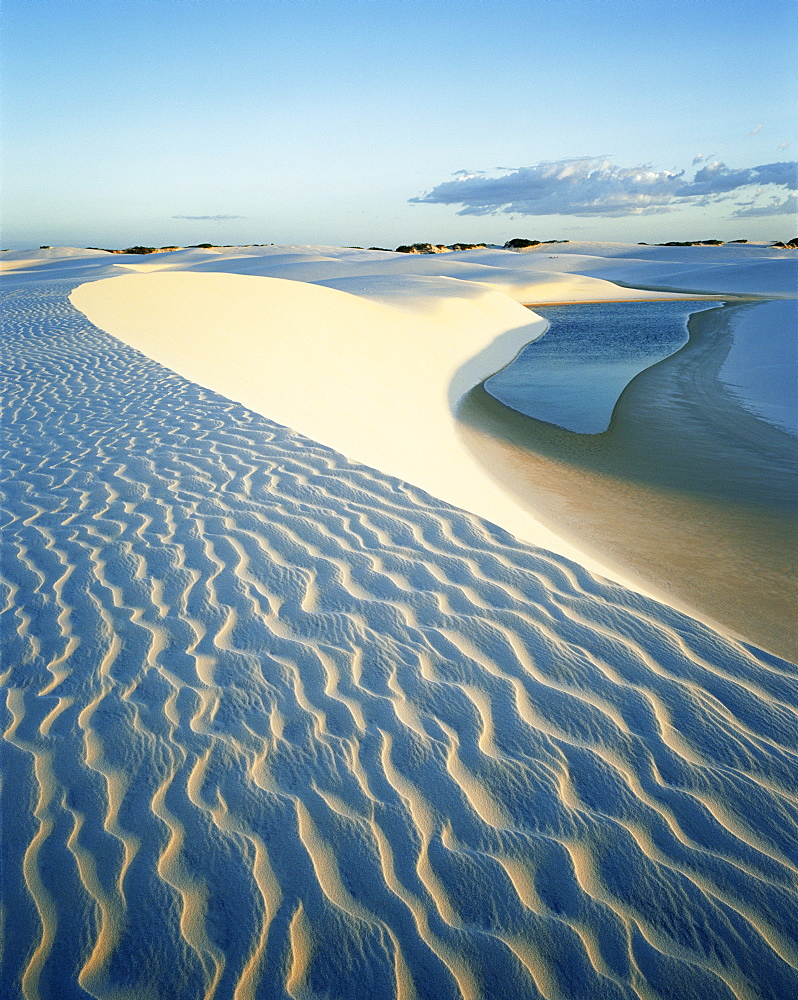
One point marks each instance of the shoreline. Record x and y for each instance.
(698, 509)
(677, 298)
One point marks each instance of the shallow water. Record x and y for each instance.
(688, 491)
(277, 725)
(573, 375)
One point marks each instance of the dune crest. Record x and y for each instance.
(362, 376)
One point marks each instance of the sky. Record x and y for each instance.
(377, 122)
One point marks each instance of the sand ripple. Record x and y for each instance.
(277, 725)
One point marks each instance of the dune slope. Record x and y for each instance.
(374, 381)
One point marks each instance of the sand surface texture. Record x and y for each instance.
(278, 724)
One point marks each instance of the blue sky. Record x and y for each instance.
(319, 121)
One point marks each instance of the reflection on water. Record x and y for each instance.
(574, 374)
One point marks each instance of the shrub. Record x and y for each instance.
(520, 244)
(422, 248)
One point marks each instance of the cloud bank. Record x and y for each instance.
(596, 187)
(775, 207)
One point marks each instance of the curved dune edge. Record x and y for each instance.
(377, 383)
(281, 725)
(686, 490)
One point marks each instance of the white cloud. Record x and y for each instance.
(789, 206)
(716, 177)
(596, 187)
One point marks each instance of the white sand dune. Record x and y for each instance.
(278, 724)
(378, 383)
(363, 377)
(376, 362)
(762, 366)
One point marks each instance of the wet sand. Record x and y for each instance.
(686, 491)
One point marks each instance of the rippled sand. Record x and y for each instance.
(278, 725)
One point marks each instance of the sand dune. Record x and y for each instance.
(279, 724)
(308, 356)
(378, 361)
(355, 373)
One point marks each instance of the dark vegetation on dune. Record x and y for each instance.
(778, 245)
(522, 244)
(435, 247)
